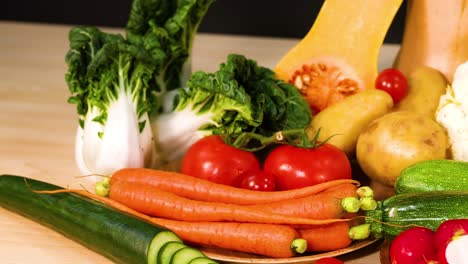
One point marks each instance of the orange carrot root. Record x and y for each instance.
(327, 237)
(203, 190)
(324, 205)
(263, 239)
(154, 202)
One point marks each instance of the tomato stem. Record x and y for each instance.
(251, 141)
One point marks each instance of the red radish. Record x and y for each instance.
(448, 231)
(457, 250)
(413, 246)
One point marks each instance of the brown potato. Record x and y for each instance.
(343, 122)
(425, 87)
(397, 140)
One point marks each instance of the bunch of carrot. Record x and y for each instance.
(278, 224)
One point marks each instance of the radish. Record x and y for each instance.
(448, 231)
(414, 246)
(457, 250)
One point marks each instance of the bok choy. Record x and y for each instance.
(241, 97)
(118, 83)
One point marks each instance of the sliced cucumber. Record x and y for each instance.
(202, 260)
(168, 250)
(158, 242)
(185, 255)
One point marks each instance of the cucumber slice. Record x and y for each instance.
(202, 260)
(185, 255)
(158, 243)
(168, 250)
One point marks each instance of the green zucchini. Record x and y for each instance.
(433, 175)
(428, 209)
(118, 236)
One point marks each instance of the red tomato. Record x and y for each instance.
(296, 167)
(393, 82)
(210, 158)
(328, 261)
(258, 180)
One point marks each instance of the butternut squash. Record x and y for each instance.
(338, 57)
(435, 35)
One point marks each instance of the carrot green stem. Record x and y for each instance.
(365, 191)
(368, 203)
(299, 245)
(359, 232)
(102, 188)
(351, 204)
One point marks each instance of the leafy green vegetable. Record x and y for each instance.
(171, 26)
(118, 83)
(241, 97)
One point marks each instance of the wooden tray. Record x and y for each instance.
(231, 257)
(385, 253)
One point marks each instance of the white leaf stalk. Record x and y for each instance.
(103, 149)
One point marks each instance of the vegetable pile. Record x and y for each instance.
(267, 155)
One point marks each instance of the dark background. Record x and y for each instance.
(272, 18)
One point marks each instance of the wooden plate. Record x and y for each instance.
(385, 252)
(232, 257)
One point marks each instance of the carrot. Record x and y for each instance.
(152, 201)
(204, 190)
(326, 237)
(324, 205)
(277, 241)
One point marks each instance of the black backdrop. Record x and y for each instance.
(276, 18)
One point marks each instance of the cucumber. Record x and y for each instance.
(429, 209)
(202, 260)
(118, 236)
(167, 251)
(185, 255)
(157, 245)
(433, 175)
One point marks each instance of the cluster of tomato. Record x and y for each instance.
(285, 167)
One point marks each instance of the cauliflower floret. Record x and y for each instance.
(452, 113)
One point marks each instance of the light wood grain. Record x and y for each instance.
(37, 126)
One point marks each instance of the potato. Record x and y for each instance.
(425, 87)
(345, 120)
(396, 140)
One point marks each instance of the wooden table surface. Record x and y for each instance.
(37, 126)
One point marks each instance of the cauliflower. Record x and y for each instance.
(452, 113)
